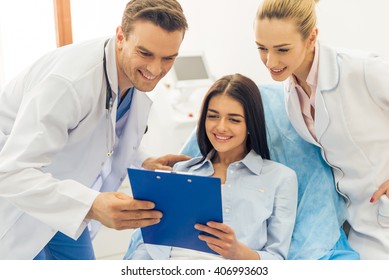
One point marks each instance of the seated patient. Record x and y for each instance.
(321, 210)
(259, 196)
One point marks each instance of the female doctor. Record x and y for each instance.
(71, 124)
(337, 100)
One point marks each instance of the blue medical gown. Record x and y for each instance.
(321, 211)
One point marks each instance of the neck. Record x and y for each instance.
(303, 72)
(228, 158)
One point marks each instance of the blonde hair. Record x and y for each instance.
(301, 11)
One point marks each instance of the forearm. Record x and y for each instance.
(62, 205)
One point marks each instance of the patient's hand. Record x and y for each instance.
(225, 243)
(163, 163)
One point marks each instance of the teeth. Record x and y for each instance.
(148, 77)
(277, 70)
(222, 138)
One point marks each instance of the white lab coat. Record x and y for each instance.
(53, 144)
(352, 127)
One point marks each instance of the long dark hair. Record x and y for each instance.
(246, 92)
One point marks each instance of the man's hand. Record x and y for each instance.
(163, 163)
(120, 211)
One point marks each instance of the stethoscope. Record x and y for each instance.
(108, 107)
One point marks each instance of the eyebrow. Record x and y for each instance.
(276, 46)
(231, 115)
(143, 49)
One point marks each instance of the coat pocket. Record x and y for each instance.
(9, 214)
(383, 211)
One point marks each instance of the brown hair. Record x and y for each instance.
(167, 14)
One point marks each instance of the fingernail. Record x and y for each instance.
(372, 199)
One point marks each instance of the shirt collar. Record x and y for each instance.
(252, 161)
(206, 162)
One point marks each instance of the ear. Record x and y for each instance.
(311, 41)
(120, 38)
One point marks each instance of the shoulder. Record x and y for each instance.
(270, 166)
(283, 178)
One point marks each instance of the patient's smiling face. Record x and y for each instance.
(225, 126)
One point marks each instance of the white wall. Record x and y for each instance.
(222, 29)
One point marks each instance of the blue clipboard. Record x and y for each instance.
(184, 201)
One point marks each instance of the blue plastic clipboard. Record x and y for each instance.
(184, 201)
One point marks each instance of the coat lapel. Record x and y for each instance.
(327, 81)
(293, 110)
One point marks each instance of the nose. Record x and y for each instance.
(271, 60)
(221, 125)
(155, 67)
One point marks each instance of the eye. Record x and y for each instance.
(283, 50)
(145, 54)
(263, 49)
(234, 120)
(212, 116)
(169, 58)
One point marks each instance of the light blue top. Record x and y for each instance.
(125, 104)
(259, 201)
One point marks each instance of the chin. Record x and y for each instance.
(280, 78)
(145, 87)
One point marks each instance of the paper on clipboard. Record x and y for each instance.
(184, 201)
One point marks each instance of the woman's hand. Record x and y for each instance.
(224, 242)
(382, 190)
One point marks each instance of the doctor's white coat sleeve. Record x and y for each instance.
(41, 129)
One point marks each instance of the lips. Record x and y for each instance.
(277, 71)
(222, 138)
(148, 77)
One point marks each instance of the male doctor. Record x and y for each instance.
(71, 124)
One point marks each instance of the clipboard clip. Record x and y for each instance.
(175, 172)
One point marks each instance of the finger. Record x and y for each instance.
(215, 227)
(207, 229)
(139, 215)
(383, 189)
(217, 249)
(173, 159)
(135, 219)
(132, 224)
(208, 233)
(135, 204)
(213, 241)
(164, 167)
(220, 226)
